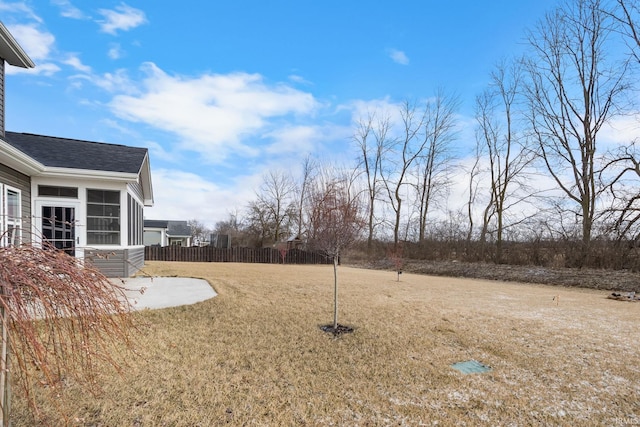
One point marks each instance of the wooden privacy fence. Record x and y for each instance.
(251, 255)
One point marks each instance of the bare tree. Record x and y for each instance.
(309, 168)
(627, 14)
(274, 209)
(234, 227)
(572, 93)
(199, 231)
(336, 220)
(625, 201)
(432, 165)
(507, 156)
(406, 149)
(371, 138)
(474, 178)
(59, 316)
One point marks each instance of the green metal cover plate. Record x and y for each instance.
(471, 367)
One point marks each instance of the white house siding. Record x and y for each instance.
(112, 260)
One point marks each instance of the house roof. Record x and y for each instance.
(174, 228)
(77, 154)
(179, 229)
(156, 223)
(11, 51)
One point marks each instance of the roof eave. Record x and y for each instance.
(16, 159)
(11, 51)
(145, 181)
(58, 172)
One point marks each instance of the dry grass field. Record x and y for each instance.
(255, 355)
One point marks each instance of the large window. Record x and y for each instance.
(10, 216)
(103, 217)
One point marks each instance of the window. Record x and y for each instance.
(49, 190)
(103, 217)
(136, 226)
(11, 216)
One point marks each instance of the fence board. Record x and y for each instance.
(244, 255)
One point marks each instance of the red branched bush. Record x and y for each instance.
(60, 317)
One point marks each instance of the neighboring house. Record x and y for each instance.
(155, 232)
(167, 233)
(295, 242)
(86, 198)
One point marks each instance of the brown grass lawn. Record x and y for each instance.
(255, 355)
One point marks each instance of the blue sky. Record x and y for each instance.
(221, 92)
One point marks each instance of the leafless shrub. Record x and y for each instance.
(59, 319)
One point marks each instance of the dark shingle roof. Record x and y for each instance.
(77, 154)
(156, 223)
(179, 228)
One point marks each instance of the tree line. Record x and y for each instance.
(547, 163)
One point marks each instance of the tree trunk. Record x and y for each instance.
(335, 292)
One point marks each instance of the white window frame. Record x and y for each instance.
(120, 218)
(15, 222)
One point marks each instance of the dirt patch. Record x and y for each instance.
(613, 280)
(338, 330)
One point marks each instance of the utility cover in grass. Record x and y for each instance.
(471, 367)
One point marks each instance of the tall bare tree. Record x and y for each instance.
(624, 161)
(572, 93)
(625, 200)
(406, 149)
(432, 165)
(504, 149)
(309, 169)
(371, 139)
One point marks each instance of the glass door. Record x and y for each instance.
(59, 228)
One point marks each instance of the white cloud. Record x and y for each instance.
(398, 56)
(213, 113)
(45, 69)
(207, 202)
(37, 44)
(294, 139)
(379, 107)
(19, 8)
(68, 10)
(116, 82)
(299, 79)
(75, 62)
(122, 18)
(621, 131)
(115, 51)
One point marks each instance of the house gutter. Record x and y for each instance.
(56, 172)
(16, 159)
